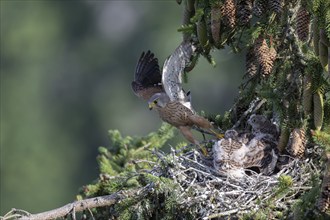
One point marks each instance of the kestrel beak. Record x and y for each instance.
(151, 105)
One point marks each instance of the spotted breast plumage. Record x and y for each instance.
(237, 151)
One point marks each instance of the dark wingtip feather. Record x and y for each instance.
(147, 76)
(147, 72)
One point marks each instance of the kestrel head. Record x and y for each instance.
(159, 100)
(257, 121)
(231, 134)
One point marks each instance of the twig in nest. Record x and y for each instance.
(221, 214)
(217, 195)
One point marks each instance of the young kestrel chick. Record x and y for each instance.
(261, 125)
(237, 151)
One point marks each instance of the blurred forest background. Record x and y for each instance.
(66, 70)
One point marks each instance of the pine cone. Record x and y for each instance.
(265, 56)
(275, 6)
(323, 203)
(191, 5)
(215, 22)
(202, 32)
(244, 11)
(251, 65)
(268, 66)
(228, 12)
(297, 142)
(302, 22)
(187, 14)
(283, 139)
(323, 54)
(261, 50)
(318, 110)
(307, 94)
(324, 38)
(316, 37)
(259, 7)
(328, 61)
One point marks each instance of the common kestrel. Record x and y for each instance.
(261, 125)
(164, 91)
(236, 152)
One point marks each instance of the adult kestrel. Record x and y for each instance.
(164, 91)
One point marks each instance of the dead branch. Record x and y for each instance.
(78, 206)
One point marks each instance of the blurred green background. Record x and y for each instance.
(66, 69)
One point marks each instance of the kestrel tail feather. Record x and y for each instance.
(200, 121)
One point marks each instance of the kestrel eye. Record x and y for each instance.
(155, 101)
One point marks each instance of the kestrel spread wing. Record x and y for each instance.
(147, 77)
(173, 70)
(164, 91)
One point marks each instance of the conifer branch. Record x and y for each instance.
(81, 205)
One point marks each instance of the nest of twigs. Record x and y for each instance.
(195, 190)
(218, 195)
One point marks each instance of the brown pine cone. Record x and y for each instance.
(261, 49)
(216, 21)
(228, 12)
(323, 203)
(297, 142)
(275, 6)
(265, 55)
(307, 95)
(251, 64)
(244, 11)
(283, 139)
(260, 7)
(269, 62)
(302, 23)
